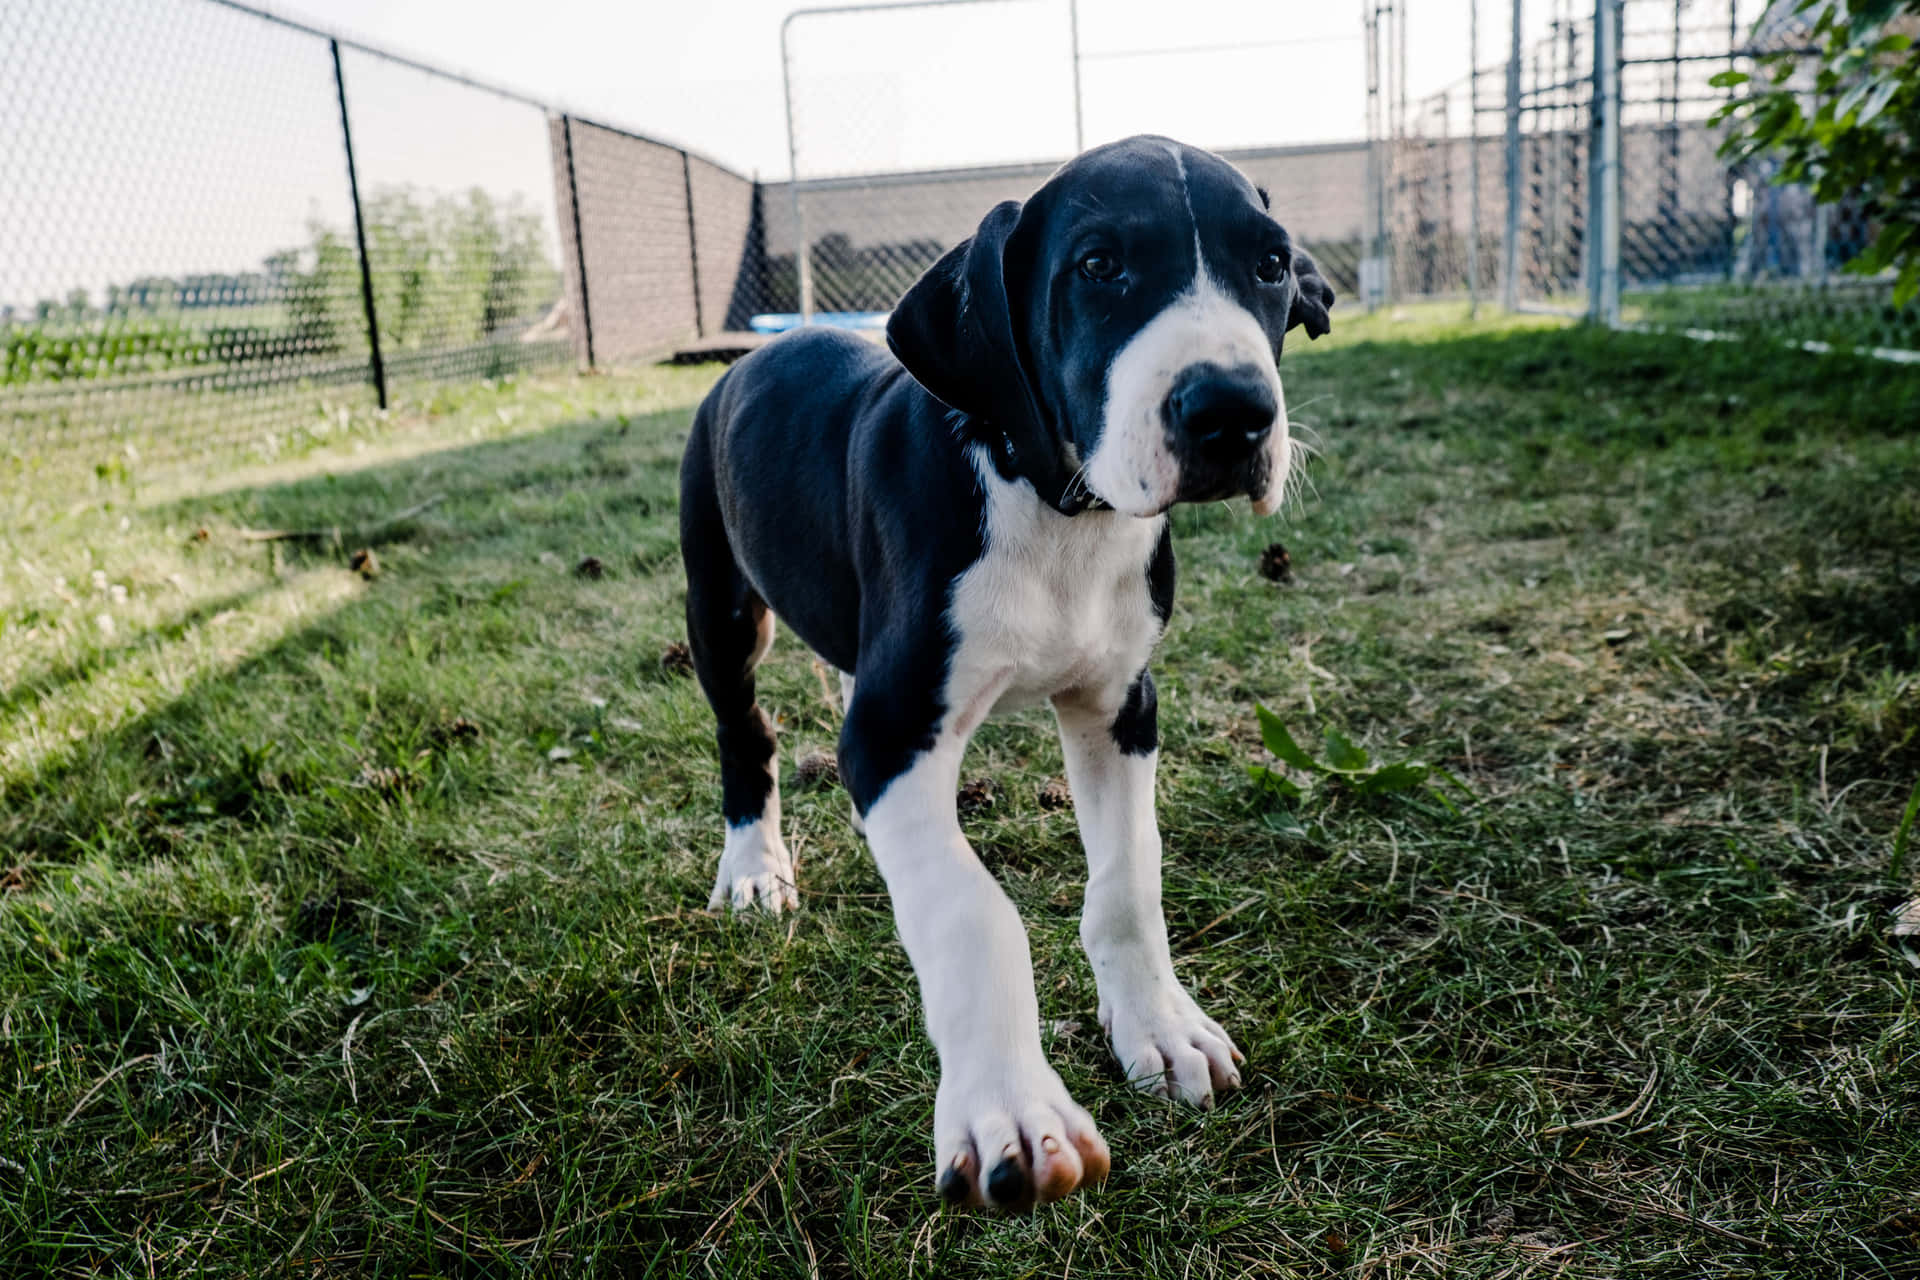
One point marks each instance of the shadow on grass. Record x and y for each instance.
(45, 681)
(493, 559)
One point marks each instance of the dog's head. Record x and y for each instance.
(1118, 337)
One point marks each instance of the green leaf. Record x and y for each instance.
(1848, 101)
(1901, 836)
(1405, 776)
(1267, 780)
(1728, 79)
(1274, 734)
(1342, 755)
(1871, 13)
(1877, 101)
(1908, 284)
(1285, 824)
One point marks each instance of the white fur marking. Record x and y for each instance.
(1055, 603)
(1132, 468)
(1161, 1037)
(762, 639)
(997, 1091)
(755, 868)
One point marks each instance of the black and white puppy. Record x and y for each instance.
(981, 524)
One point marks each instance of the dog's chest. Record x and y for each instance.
(1055, 603)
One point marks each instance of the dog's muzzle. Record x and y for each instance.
(1219, 420)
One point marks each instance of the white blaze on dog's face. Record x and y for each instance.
(1140, 465)
(1168, 291)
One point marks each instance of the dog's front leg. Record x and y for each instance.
(1006, 1133)
(1163, 1040)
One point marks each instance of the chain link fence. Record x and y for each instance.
(664, 248)
(227, 237)
(174, 275)
(1581, 174)
(887, 175)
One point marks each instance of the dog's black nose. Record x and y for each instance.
(1223, 414)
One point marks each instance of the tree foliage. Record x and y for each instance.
(1841, 114)
(449, 271)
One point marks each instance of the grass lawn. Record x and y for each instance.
(355, 925)
(1845, 310)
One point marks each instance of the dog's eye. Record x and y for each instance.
(1102, 268)
(1272, 267)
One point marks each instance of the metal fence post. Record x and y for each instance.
(1819, 233)
(1373, 254)
(693, 245)
(1603, 237)
(579, 244)
(1073, 27)
(1510, 270)
(1729, 237)
(802, 251)
(1473, 159)
(1394, 256)
(379, 367)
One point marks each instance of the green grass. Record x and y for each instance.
(1845, 311)
(355, 927)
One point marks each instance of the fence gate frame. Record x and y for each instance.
(803, 243)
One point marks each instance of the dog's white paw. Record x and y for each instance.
(1010, 1137)
(755, 871)
(1168, 1046)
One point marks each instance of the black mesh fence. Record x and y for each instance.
(458, 213)
(227, 237)
(671, 246)
(1442, 183)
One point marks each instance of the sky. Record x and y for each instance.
(169, 137)
(924, 86)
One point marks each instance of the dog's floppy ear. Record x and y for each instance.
(954, 331)
(1312, 297)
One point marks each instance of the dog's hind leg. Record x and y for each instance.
(846, 705)
(730, 629)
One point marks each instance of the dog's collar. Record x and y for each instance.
(1072, 499)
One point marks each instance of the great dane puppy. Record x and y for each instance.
(977, 522)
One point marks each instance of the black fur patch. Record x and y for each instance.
(861, 572)
(1136, 730)
(1161, 575)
